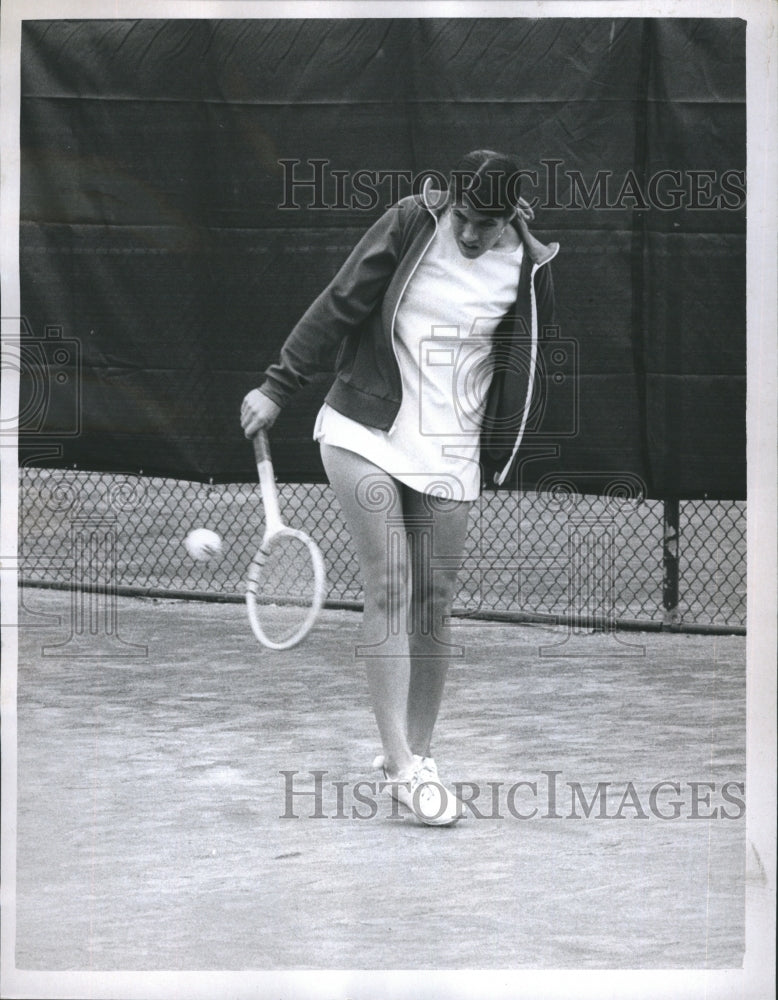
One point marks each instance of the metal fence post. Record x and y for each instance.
(670, 544)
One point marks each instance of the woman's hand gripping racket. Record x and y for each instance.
(286, 581)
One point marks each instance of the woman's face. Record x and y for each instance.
(474, 231)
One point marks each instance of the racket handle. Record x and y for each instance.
(261, 447)
(267, 481)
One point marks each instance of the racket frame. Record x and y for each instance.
(275, 528)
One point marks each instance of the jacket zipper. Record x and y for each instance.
(500, 476)
(397, 306)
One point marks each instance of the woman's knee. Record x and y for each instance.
(386, 589)
(434, 593)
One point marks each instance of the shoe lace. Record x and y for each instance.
(426, 772)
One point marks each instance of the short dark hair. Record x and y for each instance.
(488, 181)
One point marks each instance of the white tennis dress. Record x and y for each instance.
(442, 339)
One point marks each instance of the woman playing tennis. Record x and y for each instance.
(431, 325)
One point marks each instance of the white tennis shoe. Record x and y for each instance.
(421, 790)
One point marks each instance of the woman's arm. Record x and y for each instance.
(349, 298)
(313, 343)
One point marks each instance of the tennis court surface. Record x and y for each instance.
(155, 827)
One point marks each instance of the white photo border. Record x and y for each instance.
(756, 979)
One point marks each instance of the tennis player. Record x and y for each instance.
(431, 326)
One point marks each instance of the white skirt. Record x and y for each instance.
(449, 470)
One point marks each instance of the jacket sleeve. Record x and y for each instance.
(349, 298)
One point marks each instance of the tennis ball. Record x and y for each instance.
(203, 544)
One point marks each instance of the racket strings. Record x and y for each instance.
(285, 573)
(285, 589)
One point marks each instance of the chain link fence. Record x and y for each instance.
(560, 556)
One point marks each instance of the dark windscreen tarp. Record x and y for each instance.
(159, 265)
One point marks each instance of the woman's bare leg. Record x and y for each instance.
(372, 507)
(438, 533)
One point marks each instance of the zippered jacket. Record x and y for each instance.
(350, 326)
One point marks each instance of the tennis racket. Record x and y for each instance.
(286, 582)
